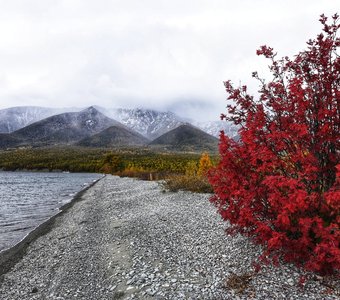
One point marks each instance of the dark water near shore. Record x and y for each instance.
(27, 199)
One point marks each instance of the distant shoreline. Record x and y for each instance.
(44, 171)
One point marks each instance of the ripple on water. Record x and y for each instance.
(29, 198)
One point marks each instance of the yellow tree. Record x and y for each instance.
(204, 165)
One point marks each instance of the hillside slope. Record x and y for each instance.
(114, 136)
(65, 128)
(186, 138)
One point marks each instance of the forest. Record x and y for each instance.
(125, 162)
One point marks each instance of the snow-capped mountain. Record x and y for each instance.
(65, 128)
(14, 118)
(214, 128)
(147, 122)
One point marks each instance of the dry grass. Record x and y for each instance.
(143, 175)
(238, 283)
(194, 184)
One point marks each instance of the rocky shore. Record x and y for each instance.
(128, 239)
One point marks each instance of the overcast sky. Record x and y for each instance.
(160, 54)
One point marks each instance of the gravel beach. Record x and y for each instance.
(128, 239)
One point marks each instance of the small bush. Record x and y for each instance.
(280, 182)
(195, 178)
(195, 184)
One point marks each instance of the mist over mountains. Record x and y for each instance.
(65, 128)
(14, 118)
(101, 127)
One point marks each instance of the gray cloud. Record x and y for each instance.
(155, 53)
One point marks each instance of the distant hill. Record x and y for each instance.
(150, 123)
(186, 138)
(114, 136)
(66, 128)
(14, 118)
(41, 126)
(7, 141)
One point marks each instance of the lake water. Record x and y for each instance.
(27, 199)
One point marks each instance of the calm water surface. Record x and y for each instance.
(28, 199)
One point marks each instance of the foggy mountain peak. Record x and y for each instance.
(149, 123)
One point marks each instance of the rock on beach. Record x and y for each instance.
(129, 239)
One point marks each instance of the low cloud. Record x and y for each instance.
(157, 54)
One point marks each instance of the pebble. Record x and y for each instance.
(159, 245)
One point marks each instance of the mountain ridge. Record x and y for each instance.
(15, 118)
(65, 128)
(186, 137)
(148, 122)
(114, 136)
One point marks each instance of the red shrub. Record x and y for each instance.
(280, 182)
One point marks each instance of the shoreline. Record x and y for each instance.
(9, 257)
(128, 239)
